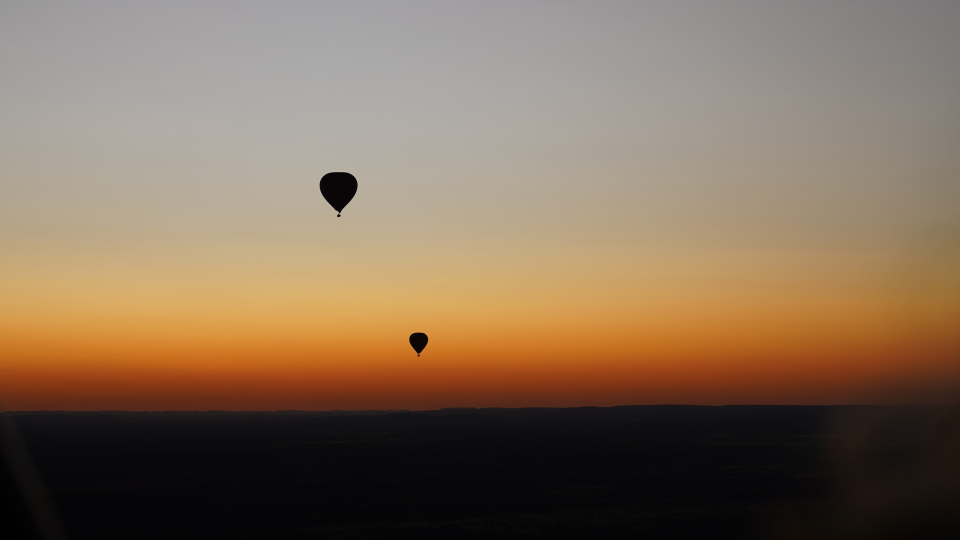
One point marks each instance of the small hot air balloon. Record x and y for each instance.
(418, 340)
(338, 188)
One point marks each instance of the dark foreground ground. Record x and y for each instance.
(590, 473)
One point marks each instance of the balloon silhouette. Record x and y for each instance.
(338, 188)
(418, 341)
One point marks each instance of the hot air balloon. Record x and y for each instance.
(338, 188)
(418, 340)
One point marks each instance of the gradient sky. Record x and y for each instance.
(581, 203)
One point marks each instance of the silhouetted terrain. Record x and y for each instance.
(622, 472)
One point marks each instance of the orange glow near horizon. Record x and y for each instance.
(615, 339)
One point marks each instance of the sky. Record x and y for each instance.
(581, 203)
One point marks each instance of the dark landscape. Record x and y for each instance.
(621, 472)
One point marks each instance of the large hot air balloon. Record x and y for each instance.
(418, 341)
(338, 188)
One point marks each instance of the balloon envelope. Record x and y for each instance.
(418, 341)
(338, 188)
